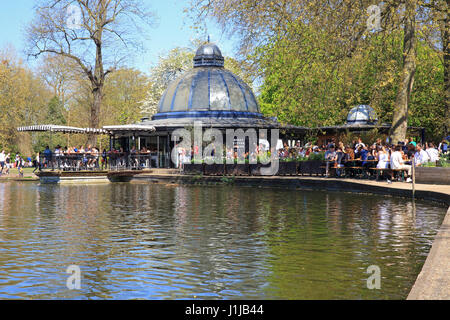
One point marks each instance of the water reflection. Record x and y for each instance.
(145, 241)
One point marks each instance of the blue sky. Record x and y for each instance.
(172, 29)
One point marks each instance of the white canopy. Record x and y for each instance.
(129, 127)
(51, 128)
(105, 130)
(96, 131)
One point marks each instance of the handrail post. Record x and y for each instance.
(413, 177)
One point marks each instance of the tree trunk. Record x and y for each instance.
(400, 117)
(97, 90)
(95, 111)
(446, 50)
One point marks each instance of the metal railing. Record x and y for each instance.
(97, 161)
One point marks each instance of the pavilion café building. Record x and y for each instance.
(218, 99)
(209, 94)
(361, 119)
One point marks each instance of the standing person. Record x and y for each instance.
(397, 162)
(411, 141)
(20, 166)
(95, 155)
(378, 143)
(48, 156)
(16, 161)
(104, 159)
(58, 154)
(37, 164)
(8, 162)
(2, 160)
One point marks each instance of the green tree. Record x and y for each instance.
(96, 35)
(169, 67)
(318, 41)
(54, 116)
(23, 101)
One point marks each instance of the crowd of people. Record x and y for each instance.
(377, 155)
(8, 162)
(87, 158)
(338, 155)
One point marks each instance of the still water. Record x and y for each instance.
(151, 241)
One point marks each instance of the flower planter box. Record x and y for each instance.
(214, 169)
(316, 167)
(433, 175)
(255, 169)
(193, 168)
(287, 168)
(304, 168)
(310, 167)
(237, 169)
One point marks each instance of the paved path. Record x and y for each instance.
(16, 177)
(433, 282)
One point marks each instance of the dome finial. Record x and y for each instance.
(208, 55)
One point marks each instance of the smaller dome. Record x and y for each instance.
(208, 55)
(362, 114)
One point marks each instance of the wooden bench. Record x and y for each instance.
(391, 172)
(381, 170)
(354, 170)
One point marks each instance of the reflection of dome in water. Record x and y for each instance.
(208, 90)
(362, 114)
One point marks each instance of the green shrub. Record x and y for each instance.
(444, 163)
(429, 165)
(317, 157)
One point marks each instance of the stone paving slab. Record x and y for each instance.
(433, 282)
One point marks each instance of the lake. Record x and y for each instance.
(156, 241)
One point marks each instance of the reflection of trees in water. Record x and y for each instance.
(4, 208)
(221, 241)
(327, 255)
(212, 232)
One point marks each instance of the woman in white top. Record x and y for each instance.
(383, 158)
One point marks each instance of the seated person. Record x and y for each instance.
(340, 158)
(330, 154)
(397, 162)
(421, 156)
(433, 153)
(383, 158)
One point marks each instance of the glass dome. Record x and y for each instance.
(208, 55)
(362, 114)
(208, 90)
